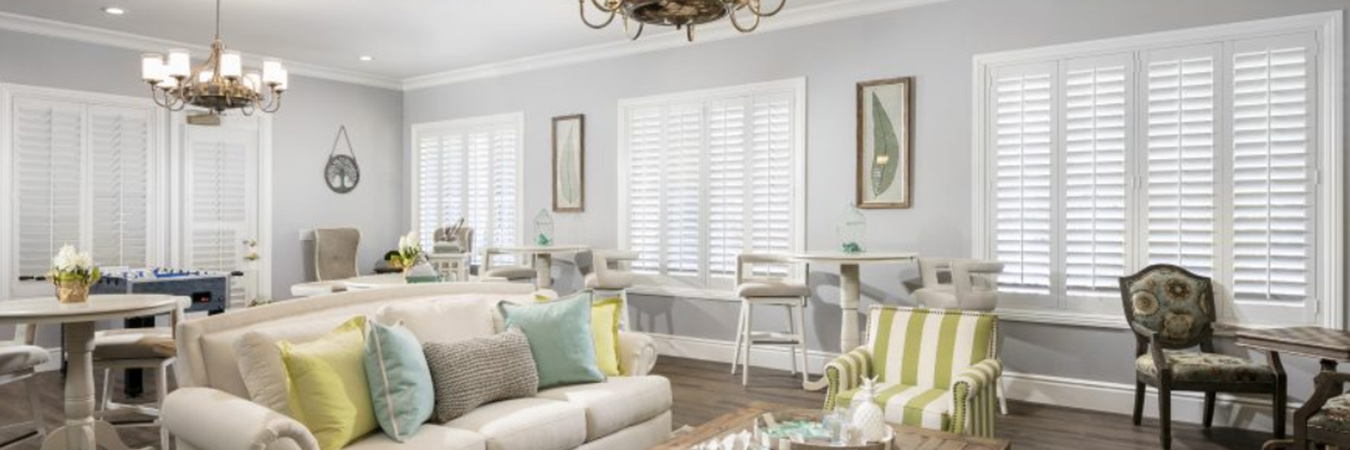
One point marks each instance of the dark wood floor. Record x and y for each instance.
(704, 390)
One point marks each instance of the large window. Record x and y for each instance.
(1215, 149)
(469, 169)
(707, 175)
(78, 169)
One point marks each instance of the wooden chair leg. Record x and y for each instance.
(1139, 389)
(1165, 415)
(1280, 406)
(35, 405)
(1209, 409)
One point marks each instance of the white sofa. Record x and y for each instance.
(211, 409)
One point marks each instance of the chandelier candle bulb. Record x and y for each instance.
(284, 80)
(205, 76)
(253, 81)
(167, 83)
(180, 63)
(152, 68)
(271, 73)
(231, 65)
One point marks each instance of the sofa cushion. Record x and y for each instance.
(259, 359)
(618, 403)
(470, 373)
(451, 319)
(329, 391)
(430, 437)
(400, 382)
(560, 339)
(527, 424)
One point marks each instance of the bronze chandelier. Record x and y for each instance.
(681, 14)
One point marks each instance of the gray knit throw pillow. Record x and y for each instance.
(475, 372)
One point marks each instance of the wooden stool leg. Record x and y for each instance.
(1139, 389)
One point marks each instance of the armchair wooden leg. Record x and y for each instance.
(1165, 415)
(1139, 389)
(1280, 406)
(1209, 409)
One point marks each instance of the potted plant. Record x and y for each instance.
(73, 273)
(408, 253)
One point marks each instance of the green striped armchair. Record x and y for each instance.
(935, 368)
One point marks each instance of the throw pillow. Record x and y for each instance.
(605, 332)
(400, 382)
(329, 391)
(259, 359)
(447, 319)
(468, 374)
(560, 339)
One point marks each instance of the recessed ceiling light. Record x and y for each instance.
(114, 11)
(366, 58)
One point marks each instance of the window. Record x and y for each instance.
(1214, 149)
(707, 175)
(80, 170)
(469, 169)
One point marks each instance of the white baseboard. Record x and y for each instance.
(1244, 412)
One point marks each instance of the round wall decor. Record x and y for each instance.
(341, 172)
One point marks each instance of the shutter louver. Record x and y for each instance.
(771, 167)
(1023, 168)
(48, 142)
(505, 230)
(727, 190)
(683, 179)
(644, 188)
(432, 170)
(120, 152)
(220, 207)
(1271, 198)
(1095, 136)
(1180, 158)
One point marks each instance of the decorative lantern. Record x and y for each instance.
(852, 229)
(543, 228)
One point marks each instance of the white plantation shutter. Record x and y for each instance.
(218, 205)
(682, 176)
(433, 186)
(48, 144)
(120, 146)
(1095, 135)
(505, 227)
(1022, 109)
(645, 171)
(771, 178)
(1181, 114)
(470, 169)
(1272, 138)
(728, 192)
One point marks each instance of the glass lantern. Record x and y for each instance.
(852, 229)
(543, 228)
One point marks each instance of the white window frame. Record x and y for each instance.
(515, 119)
(1329, 262)
(685, 288)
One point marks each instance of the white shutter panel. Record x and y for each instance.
(1181, 120)
(1272, 137)
(119, 148)
(432, 162)
(683, 173)
(478, 188)
(219, 205)
(645, 169)
(771, 177)
(1022, 106)
(48, 141)
(728, 194)
(1095, 135)
(503, 195)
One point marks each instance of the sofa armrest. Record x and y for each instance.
(637, 353)
(847, 372)
(974, 398)
(209, 419)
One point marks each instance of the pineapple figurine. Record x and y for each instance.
(868, 418)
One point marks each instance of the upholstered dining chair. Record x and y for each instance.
(954, 391)
(19, 360)
(608, 272)
(335, 253)
(151, 349)
(765, 280)
(1170, 310)
(451, 252)
(453, 240)
(520, 270)
(1325, 418)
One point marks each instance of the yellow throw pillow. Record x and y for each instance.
(605, 331)
(328, 388)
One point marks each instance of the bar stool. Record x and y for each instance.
(765, 287)
(137, 348)
(512, 273)
(609, 271)
(19, 360)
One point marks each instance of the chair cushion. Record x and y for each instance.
(14, 358)
(315, 288)
(910, 405)
(511, 272)
(1334, 416)
(1207, 368)
(616, 404)
(527, 424)
(772, 288)
(430, 436)
(135, 343)
(609, 280)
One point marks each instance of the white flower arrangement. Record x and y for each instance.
(409, 249)
(70, 265)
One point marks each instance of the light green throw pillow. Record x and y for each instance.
(560, 339)
(401, 390)
(329, 393)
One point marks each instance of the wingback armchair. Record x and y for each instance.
(935, 369)
(1170, 310)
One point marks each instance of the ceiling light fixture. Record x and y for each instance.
(366, 58)
(114, 11)
(218, 85)
(678, 13)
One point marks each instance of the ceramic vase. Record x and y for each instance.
(72, 291)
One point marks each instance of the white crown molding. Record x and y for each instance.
(788, 19)
(75, 32)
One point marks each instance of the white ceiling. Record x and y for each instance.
(406, 37)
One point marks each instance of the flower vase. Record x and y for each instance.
(851, 230)
(868, 418)
(72, 291)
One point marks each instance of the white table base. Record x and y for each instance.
(543, 267)
(81, 431)
(849, 298)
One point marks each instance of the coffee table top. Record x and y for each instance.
(905, 437)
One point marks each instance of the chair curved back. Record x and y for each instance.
(928, 347)
(461, 238)
(1173, 302)
(762, 266)
(335, 253)
(972, 281)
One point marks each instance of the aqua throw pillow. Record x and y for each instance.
(401, 391)
(560, 339)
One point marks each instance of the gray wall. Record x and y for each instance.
(934, 43)
(303, 132)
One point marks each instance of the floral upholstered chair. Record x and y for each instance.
(1172, 310)
(1324, 418)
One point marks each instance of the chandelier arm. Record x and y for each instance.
(588, 23)
(756, 6)
(633, 37)
(689, 32)
(602, 7)
(154, 96)
(275, 105)
(737, 23)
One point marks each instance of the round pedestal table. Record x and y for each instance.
(543, 259)
(82, 431)
(385, 280)
(849, 283)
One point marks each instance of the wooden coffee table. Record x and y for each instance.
(905, 437)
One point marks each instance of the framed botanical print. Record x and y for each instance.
(569, 163)
(885, 143)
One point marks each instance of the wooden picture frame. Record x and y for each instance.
(569, 163)
(885, 169)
